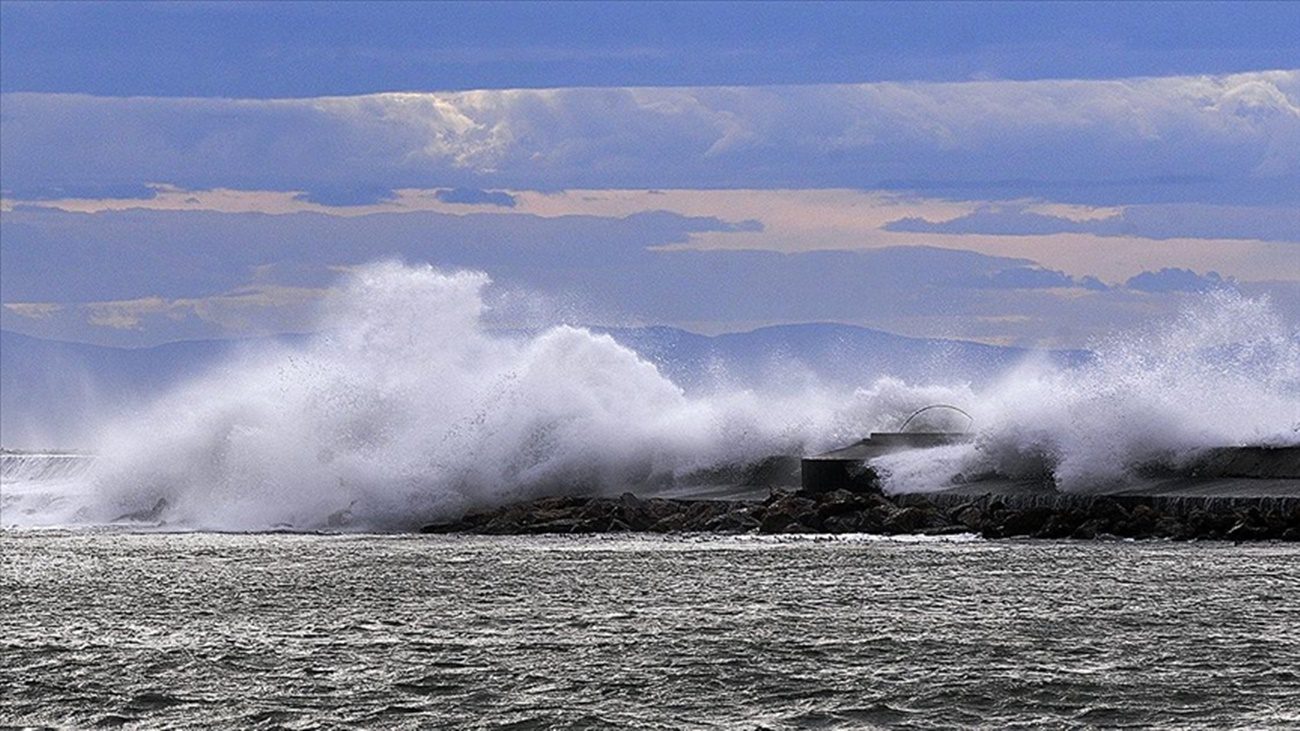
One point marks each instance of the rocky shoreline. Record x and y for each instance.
(841, 511)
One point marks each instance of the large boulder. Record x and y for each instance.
(788, 510)
(1024, 522)
(735, 521)
(906, 520)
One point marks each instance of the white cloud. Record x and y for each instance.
(1243, 128)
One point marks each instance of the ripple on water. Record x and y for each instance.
(103, 629)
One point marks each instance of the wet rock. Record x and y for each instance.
(1025, 522)
(787, 511)
(839, 502)
(843, 511)
(1141, 522)
(674, 523)
(969, 516)
(907, 520)
(616, 526)
(736, 521)
(1168, 526)
(1059, 525)
(951, 529)
(1243, 531)
(1090, 529)
(799, 528)
(846, 523)
(451, 526)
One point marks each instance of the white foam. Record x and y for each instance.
(409, 409)
(1226, 372)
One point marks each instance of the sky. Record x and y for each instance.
(1029, 174)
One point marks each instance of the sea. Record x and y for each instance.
(107, 628)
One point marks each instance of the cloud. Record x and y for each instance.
(33, 310)
(475, 197)
(1173, 279)
(348, 195)
(991, 219)
(47, 255)
(1226, 139)
(1167, 221)
(116, 191)
(139, 277)
(1034, 277)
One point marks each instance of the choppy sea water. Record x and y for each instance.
(299, 631)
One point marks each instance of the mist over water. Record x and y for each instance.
(407, 408)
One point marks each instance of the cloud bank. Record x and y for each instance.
(1227, 139)
(1278, 223)
(144, 277)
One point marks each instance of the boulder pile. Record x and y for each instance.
(842, 511)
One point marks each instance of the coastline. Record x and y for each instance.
(1052, 516)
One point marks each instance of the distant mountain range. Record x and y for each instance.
(837, 354)
(50, 389)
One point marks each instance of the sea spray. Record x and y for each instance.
(406, 409)
(1225, 372)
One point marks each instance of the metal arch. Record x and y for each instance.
(924, 409)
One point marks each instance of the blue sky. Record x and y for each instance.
(286, 49)
(1017, 173)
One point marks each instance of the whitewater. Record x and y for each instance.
(406, 408)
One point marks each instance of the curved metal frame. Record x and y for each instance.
(924, 409)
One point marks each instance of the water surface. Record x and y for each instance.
(402, 631)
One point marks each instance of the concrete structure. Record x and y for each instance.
(847, 468)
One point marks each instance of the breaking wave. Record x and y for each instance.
(406, 408)
(1226, 372)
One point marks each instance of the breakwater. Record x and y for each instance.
(841, 511)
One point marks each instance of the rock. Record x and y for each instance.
(617, 526)
(556, 525)
(845, 523)
(1107, 509)
(787, 511)
(907, 520)
(1090, 529)
(798, 528)
(453, 526)
(736, 521)
(1025, 522)
(838, 502)
(1244, 532)
(674, 523)
(1141, 522)
(945, 530)
(843, 511)
(597, 510)
(1167, 526)
(1058, 525)
(969, 516)
(635, 512)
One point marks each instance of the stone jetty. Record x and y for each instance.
(1056, 515)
